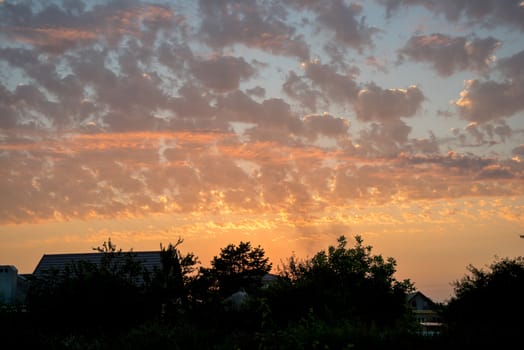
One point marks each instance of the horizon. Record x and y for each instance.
(283, 124)
(438, 292)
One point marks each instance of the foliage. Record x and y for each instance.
(115, 263)
(237, 267)
(91, 296)
(309, 332)
(342, 298)
(488, 304)
(170, 285)
(346, 283)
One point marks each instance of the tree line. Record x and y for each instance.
(344, 297)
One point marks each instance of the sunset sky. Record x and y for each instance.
(283, 123)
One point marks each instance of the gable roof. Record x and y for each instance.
(59, 262)
(419, 301)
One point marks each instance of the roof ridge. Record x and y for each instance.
(132, 251)
(147, 255)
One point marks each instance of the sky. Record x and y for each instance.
(283, 123)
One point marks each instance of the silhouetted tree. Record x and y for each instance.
(488, 305)
(119, 264)
(171, 284)
(348, 283)
(236, 267)
(88, 296)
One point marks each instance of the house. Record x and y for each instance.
(236, 300)
(8, 277)
(58, 263)
(268, 279)
(426, 313)
(13, 286)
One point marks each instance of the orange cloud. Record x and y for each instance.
(53, 37)
(109, 23)
(142, 173)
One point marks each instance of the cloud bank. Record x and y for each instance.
(127, 109)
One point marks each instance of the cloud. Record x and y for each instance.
(448, 54)
(256, 25)
(257, 91)
(54, 40)
(484, 101)
(339, 88)
(298, 88)
(326, 125)
(7, 111)
(383, 139)
(127, 110)
(512, 67)
(376, 104)
(222, 73)
(93, 176)
(484, 134)
(468, 166)
(519, 150)
(66, 90)
(487, 12)
(55, 29)
(474, 131)
(500, 129)
(322, 83)
(424, 145)
(495, 171)
(91, 91)
(380, 64)
(341, 19)
(238, 106)
(192, 109)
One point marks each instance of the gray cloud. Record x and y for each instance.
(192, 102)
(272, 114)
(339, 88)
(7, 111)
(55, 29)
(466, 164)
(375, 103)
(225, 23)
(486, 12)
(484, 101)
(429, 145)
(495, 172)
(512, 67)
(257, 91)
(499, 130)
(326, 125)
(387, 138)
(341, 19)
(298, 88)
(448, 54)
(481, 134)
(222, 73)
(519, 150)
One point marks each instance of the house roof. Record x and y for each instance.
(419, 301)
(58, 262)
(268, 278)
(419, 294)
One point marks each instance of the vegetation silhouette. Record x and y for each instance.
(91, 297)
(343, 297)
(488, 304)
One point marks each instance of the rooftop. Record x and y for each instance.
(58, 262)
